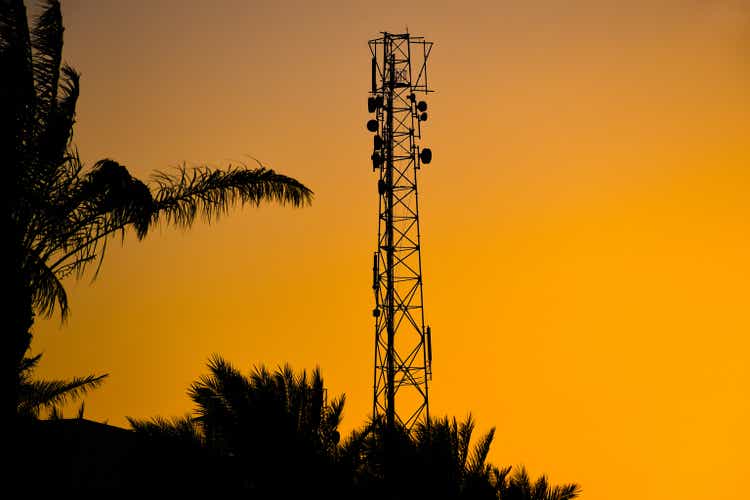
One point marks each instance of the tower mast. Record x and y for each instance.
(403, 352)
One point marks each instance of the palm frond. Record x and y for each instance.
(335, 411)
(465, 431)
(478, 458)
(119, 198)
(520, 482)
(540, 488)
(102, 203)
(108, 199)
(62, 116)
(38, 394)
(520, 486)
(202, 192)
(499, 479)
(48, 291)
(47, 44)
(564, 492)
(27, 367)
(182, 430)
(219, 395)
(352, 452)
(55, 413)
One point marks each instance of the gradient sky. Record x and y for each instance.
(585, 221)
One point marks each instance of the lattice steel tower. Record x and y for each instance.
(403, 346)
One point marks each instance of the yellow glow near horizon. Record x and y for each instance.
(585, 221)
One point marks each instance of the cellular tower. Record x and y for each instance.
(403, 345)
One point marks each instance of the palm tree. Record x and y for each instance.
(520, 487)
(385, 461)
(438, 461)
(57, 216)
(431, 461)
(455, 468)
(173, 455)
(269, 423)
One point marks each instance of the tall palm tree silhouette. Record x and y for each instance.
(57, 216)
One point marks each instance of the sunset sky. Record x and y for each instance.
(585, 221)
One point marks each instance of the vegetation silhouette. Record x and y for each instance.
(519, 486)
(36, 395)
(57, 215)
(255, 431)
(437, 460)
(269, 424)
(434, 460)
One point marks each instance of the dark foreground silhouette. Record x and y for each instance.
(275, 434)
(270, 435)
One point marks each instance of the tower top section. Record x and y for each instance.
(407, 55)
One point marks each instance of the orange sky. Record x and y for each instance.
(585, 221)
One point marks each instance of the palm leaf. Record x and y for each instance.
(108, 199)
(520, 483)
(478, 458)
(540, 489)
(182, 430)
(207, 193)
(564, 492)
(335, 412)
(47, 44)
(39, 394)
(62, 115)
(27, 367)
(47, 288)
(499, 479)
(464, 440)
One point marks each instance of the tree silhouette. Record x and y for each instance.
(438, 461)
(274, 433)
(58, 216)
(519, 486)
(435, 460)
(388, 465)
(267, 423)
(454, 467)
